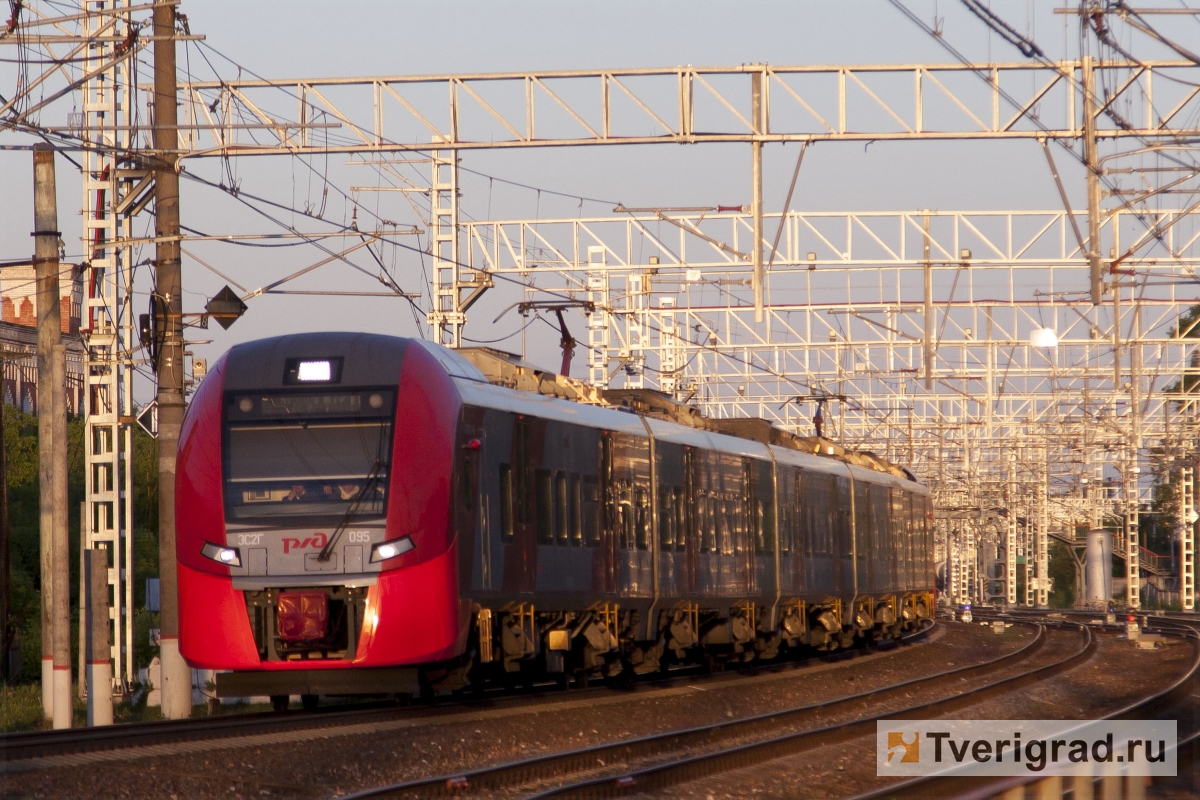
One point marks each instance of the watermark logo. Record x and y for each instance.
(1025, 747)
(909, 752)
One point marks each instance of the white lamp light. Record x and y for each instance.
(1044, 337)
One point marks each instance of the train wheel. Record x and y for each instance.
(309, 701)
(279, 702)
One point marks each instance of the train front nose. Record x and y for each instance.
(331, 545)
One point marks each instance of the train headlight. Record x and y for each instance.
(388, 550)
(229, 556)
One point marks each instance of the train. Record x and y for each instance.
(363, 514)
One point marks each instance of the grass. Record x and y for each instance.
(21, 710)
(21, 707)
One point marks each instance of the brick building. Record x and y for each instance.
(18, 336)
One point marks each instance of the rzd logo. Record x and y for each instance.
(911, 750)
(317, 540)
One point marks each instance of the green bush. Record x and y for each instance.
(21, 454)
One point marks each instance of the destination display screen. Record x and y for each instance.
(293, 405)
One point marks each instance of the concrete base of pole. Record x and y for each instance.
(48, 687)
(176, 681)
(100, 705)
(63, 707)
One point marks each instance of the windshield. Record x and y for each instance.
(292, 454)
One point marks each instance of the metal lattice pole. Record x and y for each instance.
(447, 316)
(1187, 538)
(1041, 543)
(599, 320)
(113, 192)
(1010, 566)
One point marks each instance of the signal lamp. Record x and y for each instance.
(313, 372)
(229, 556)
(388, 550)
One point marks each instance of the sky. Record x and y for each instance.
(356, 38)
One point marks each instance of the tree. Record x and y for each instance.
(21, 450)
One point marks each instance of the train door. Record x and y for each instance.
(843, 553)
(690, 530)
(518, 530)
(750, 524)
(605, 564)
(864, 536)
(669, 473)
(473, 547)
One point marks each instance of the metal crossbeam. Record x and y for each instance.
(682, 105)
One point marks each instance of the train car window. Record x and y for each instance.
(506, 503)
(767, 505)
(325, 455)
(609, 511)
(751, 507)
(785, 518)
(689, 529)
(862, 519)
(560, 507)
(680, 505)
(879, 520)
(574, 515)
(592, 509)
(468, 484)
(544, 510)
(841, 517)
(802, 541)
(764, 536)
(896, 525)
(666, 517)
(642, 517)
(733, 518)
(625, 516)
(521, 475)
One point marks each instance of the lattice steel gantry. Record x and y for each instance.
(945, 376)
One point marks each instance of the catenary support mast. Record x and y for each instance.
(168, 306)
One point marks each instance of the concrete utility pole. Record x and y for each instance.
(64, 704)
(95, 628)
(52, 461)
(1093, 179)
(168, 303)
(756, 205)
(6, 628)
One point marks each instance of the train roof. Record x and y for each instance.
(495, 379)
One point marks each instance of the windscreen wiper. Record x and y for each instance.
(369, 487)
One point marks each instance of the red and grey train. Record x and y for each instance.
(364, 513)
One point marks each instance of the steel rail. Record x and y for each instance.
(25, 745)
(555, 765)
(739, 757)
(978, 788)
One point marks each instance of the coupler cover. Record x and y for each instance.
(303, 616)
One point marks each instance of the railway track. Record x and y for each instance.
(28, 746)
(1157, 705)
(686, 755)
